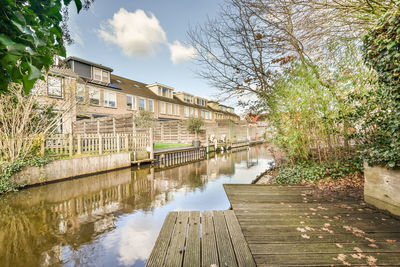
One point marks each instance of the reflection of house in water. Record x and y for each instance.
(75, 212)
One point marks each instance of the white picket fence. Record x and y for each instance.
(67, 144)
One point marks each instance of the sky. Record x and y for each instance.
(144, 40)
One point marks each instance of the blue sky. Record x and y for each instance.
(137, 37)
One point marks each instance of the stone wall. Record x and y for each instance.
(382, 188)
(72, 167)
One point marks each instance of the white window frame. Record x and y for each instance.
(133, 102)
(176, 110)
(170, 109)
(110, 98)
(144, 101)
(80, 93)
(101, 75)
(163, 107)
(186, 112)
(51, 87)
(94, 92)
(150, 107)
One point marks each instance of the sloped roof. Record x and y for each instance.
(89, 63)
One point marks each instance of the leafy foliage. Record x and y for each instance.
(379, 109)
(315, 171)
(194, 124)
(8, 169)
(309, 119)
(31, 33)
(145, 119)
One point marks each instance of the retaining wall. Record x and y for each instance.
(72, 167)
(382, 188)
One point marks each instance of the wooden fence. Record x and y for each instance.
(95, 143)
(173, 131)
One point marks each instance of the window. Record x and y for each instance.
(105, 77)
(163, 108)
(54, 86)
(196, 113)
(176, 110)
(202, 114)
(188, 98)
(201, 102)
(159, 91)
(94, 96)
(80, 93)
(186, 111)
(166, 92)
(169, 109)
(142, 103)
(101, 75)
(150, 105)
(192, 112)
(110, 99)
(130, 102)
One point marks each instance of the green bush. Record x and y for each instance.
(194, 124)
(315, 171)
(379, 112)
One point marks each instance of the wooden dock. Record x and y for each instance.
(290, 226)
(274, 225)
(209, 239)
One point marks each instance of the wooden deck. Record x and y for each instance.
(209, 239)
(289, 226)
(273, 225)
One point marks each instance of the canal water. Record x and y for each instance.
(113, 219)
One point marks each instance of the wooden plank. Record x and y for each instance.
(224, 245)
(242, 251)
(284, 238)
(328, 259)
(177, 245)
(192, 252)
(208, 242)
(160, 248)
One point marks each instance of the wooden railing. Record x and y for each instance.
(68, 144)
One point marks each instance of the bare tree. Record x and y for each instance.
(26, 118)
(243, 49)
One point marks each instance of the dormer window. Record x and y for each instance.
(201, 102)
(165, 92)
(101, 75)
(188, 99)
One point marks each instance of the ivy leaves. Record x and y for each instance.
(380, 113)
(31, 34)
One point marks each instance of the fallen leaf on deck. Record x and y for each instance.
(390, 240)
(305, 236)
(339, 245)
(370, 239)
(373, 245)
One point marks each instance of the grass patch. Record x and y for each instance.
(167, 145)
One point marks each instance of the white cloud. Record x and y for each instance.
(135, 32)
(180, 52)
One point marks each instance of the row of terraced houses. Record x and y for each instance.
(100, 93)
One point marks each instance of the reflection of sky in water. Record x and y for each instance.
(122, 233)
(131, 242)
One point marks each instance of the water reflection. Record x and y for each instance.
(113, 219)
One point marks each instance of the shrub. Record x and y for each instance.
(194, 124)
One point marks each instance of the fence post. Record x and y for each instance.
(100, 144)
(42, 145)
(248, 133)
(162, 132)
(79, 144)
(133, 125)
(71, 145)
(114, 130)
(127, 142)
(118, 144)
(151, 144)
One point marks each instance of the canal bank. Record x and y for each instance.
(113, 219)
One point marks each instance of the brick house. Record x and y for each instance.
(99, 93)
